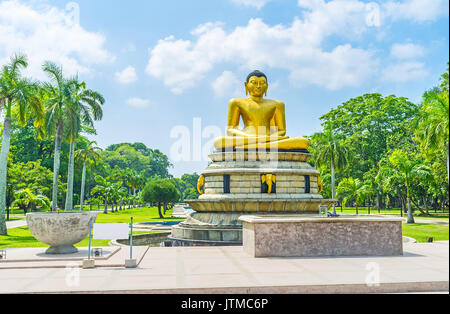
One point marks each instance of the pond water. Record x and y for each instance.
(164, 223)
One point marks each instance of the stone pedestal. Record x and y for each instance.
(297, 236)
(234, 187)
(88, 263)
(130, 263)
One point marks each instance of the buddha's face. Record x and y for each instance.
(257, 86)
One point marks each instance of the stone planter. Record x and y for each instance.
(60, 230)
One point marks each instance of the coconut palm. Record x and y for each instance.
(330, 150)
(433, 126)
(20, 95)
(57, 92)
(123, 193)
(353, 190)
(70, 107)
(90, 152)
(84, 108)
(406, 169)
(26, 199)
(107, 189)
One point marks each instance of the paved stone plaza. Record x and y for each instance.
(423, 268)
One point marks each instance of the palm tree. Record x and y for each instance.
(433, 126)
(26, 199)
(70, 107)
(406, 168)
(353, 190)
(21, 95)
(123, 193)
(90, 152)
(56, 93)
(330, 150)
(85, 108)
(107, 189)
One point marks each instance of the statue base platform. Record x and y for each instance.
(234, 186)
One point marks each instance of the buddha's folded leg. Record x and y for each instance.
(235, 142)
(298, 143)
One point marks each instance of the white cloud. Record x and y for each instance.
(407, 51)
(252, 3)
(302, 48)
(182, 63)
(416, 10)
(127, 76)
(138, 102)
(43, 33)
(404, 71)
(227, 85)
(342, 67)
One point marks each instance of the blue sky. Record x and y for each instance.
(162, 64)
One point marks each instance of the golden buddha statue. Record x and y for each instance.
(264, 121)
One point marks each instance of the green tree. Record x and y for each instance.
(26, 200)
(56, 96)
(85, 107)
(162, 192)
(372, 125)
(405, 168)
(353, 190)
(137, 157)
(88, 153)
(330, 150)
(107, 190)
(19, 94)
(191, 179)
(433, 125)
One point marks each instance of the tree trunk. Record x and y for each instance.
(448, 175)
(410, 214)
(3, 172)
(333, 189)
(83, 183)
(159, 211)
(105, 211)
(70, 174)
(56, 164)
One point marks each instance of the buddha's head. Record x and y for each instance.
(256, 84)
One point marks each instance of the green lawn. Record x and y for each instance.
(145, 214)
(421, 232)
(22, 237)
(393, 212)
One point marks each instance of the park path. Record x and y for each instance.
(432, 221)
(16, 223)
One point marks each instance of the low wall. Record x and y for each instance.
(148, 239)
(312, 237)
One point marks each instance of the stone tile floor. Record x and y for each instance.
(424, 267)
